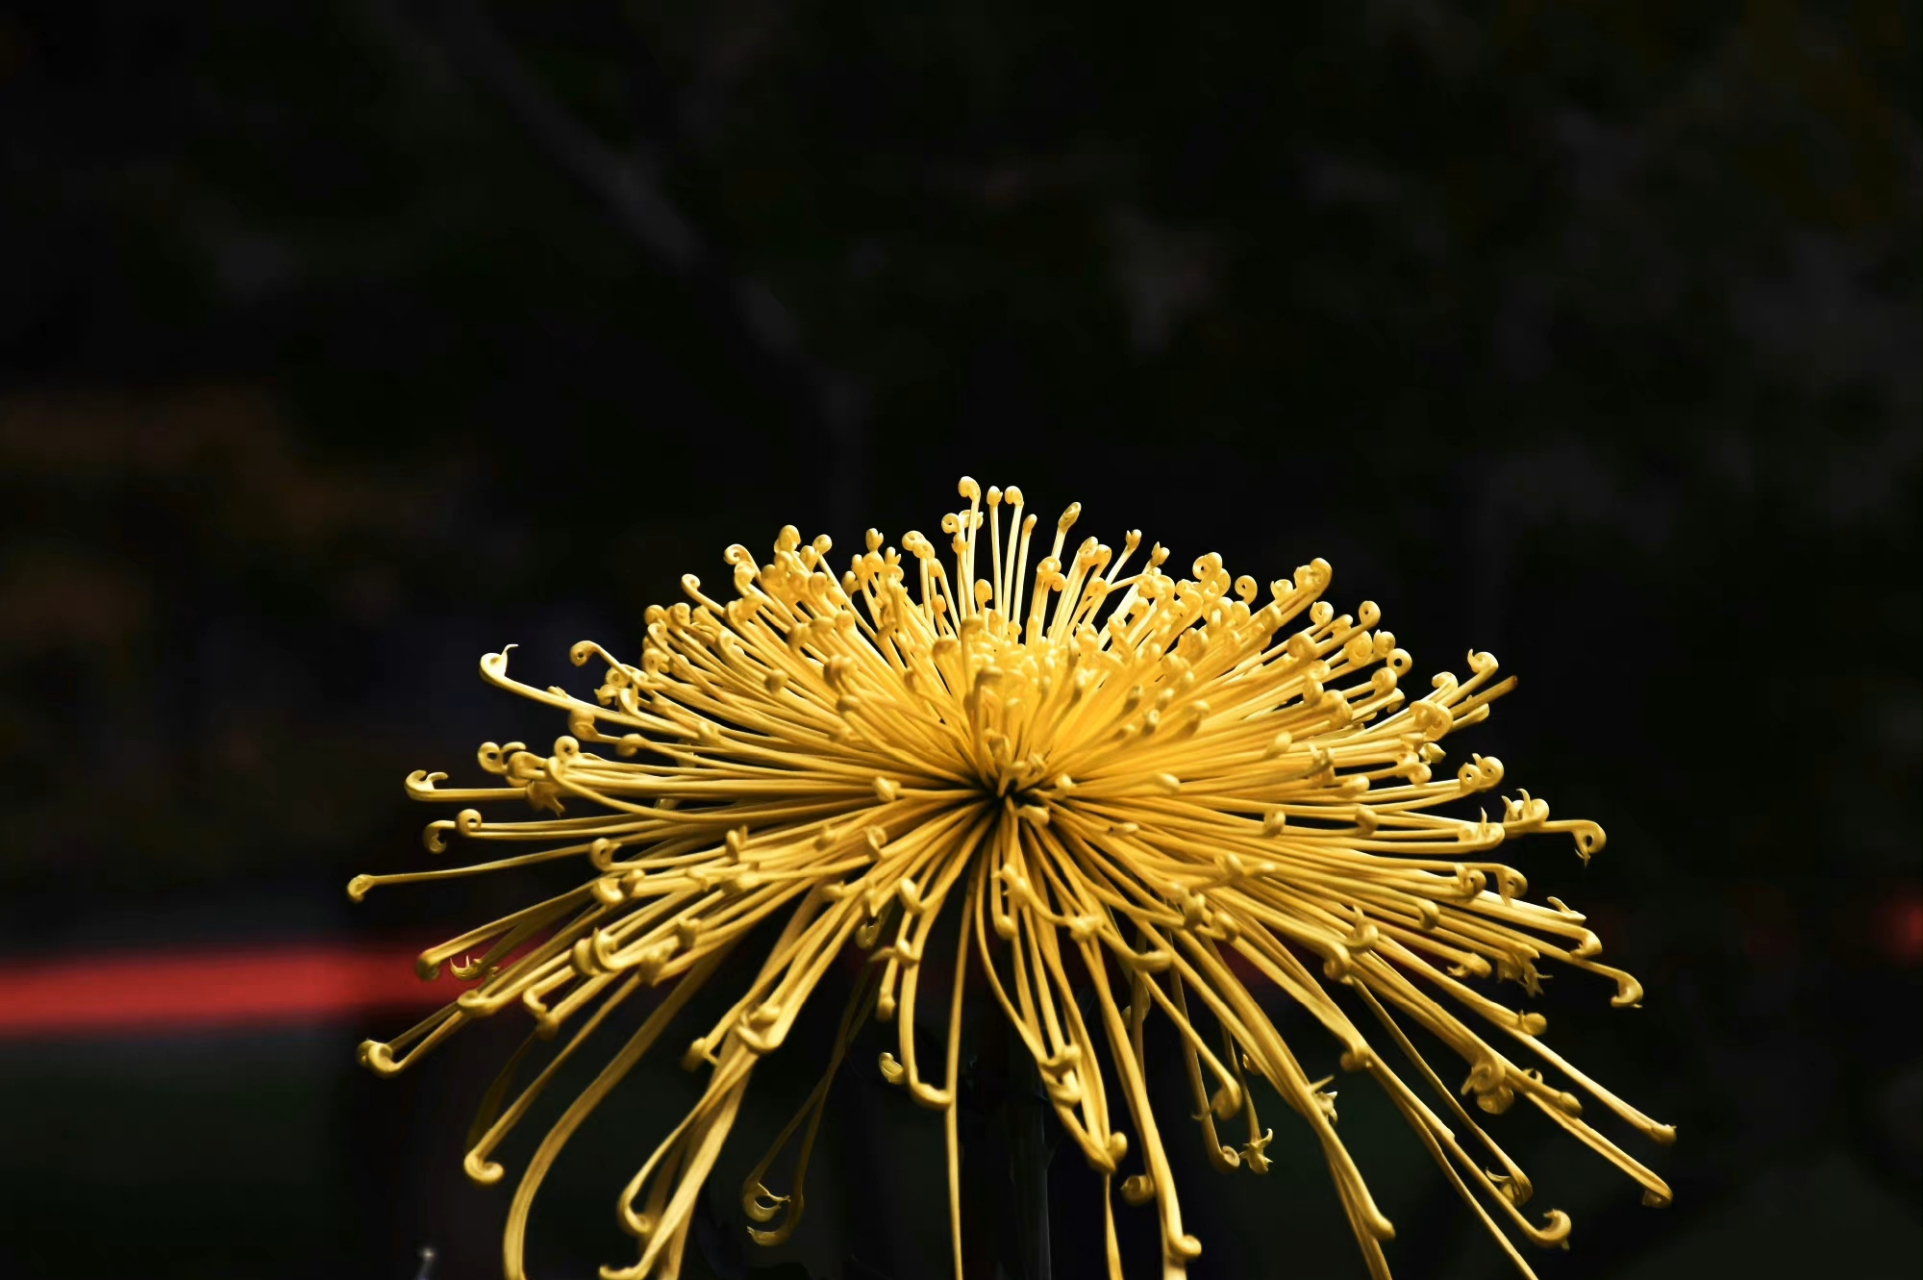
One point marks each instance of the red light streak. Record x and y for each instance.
(196, 991)
(1903, 928)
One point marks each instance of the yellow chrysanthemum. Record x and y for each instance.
(1116, 782)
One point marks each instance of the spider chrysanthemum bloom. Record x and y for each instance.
(1118, 782)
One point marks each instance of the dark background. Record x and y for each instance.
(339, 347)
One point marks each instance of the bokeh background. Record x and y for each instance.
(342, 344)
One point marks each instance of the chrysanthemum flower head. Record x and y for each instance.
(1144, 789)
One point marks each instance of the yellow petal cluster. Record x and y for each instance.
(1116, 780)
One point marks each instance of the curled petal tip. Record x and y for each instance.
(1554, 1231)
(761, 1204)
(929, 1096)
(1629, 993)
(484, 1172)
(420, 783)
